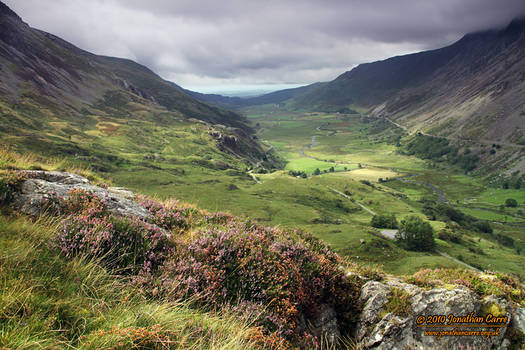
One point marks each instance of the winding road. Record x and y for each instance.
(391, 234)
(441, 196)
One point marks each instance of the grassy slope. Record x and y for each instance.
(48, 301)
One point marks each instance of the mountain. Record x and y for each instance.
(52, 93)
(473, 88)
(470, 89)
(275, 97)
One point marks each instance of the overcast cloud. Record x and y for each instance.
(201, 44)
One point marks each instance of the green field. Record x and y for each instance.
(368, 154)
(354, 155)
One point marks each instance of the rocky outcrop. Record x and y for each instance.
(381, 328)
(324, 325)
(42, 185)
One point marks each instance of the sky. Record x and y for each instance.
(234, 45)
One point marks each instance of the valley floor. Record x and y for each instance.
(324, 154)
(354, 157)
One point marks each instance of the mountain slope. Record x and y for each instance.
(58, 69)
(473, 88)
(55, 95)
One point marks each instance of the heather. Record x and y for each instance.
(216, 262)
(284, 277)
(51, 301)
(128, 244)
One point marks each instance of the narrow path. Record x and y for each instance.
(353, 200)
(254, 177)
(456, 260)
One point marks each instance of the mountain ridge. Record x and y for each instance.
(470, 89)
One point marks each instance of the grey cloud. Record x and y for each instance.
(252, 42)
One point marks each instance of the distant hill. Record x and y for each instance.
(275, 97)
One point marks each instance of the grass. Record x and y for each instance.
(347, 140)
(490, 215)
(49, 302)
(182, 160)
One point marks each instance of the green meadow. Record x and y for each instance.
(351, 154)
(366, 165)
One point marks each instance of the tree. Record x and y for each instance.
(384, 221)
(511, 203)
(416, 234)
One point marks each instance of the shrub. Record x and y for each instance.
(505, 240)
(511, 203)
(416, 234)
(438, 149)
(384, 221)
(9, 183)
(483, 226)
(170, 215)
(368, 183)
(261, 266)
(445, 212)
(126, 244)
(447, 235)
(286, 278)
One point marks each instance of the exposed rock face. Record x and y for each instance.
(379, 329)
(43, 184)
(518, 319)
(325, 325)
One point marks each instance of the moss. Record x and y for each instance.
(493, 309)
(398, 303)
(448, 286)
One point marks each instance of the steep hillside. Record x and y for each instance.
(57, 98)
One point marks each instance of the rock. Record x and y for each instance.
(518, 319)
(42, 185)
(374, 295)
(379, 329)
(123, 192)
(324, 325)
